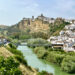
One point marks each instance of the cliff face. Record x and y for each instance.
(39, 24)
(30, 24)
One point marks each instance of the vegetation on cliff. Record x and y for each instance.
(57, 26)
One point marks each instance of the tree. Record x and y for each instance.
(9, 67)
(68, 64)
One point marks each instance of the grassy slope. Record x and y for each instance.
(25, 70)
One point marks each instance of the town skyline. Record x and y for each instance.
(45, 18)
(12, 11)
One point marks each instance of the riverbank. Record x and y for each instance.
(59, 57)
(34, 62)
(57, 68)
(66, 60)
(25, 68)
(39, 64)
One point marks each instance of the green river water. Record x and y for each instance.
(40, 64)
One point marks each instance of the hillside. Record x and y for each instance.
(29, 25)
(57, 26)
(25, 70)
(41, 27)
(39, 24)
(2, 27)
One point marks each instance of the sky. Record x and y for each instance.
(12, 11)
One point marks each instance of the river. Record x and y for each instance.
(33, 61)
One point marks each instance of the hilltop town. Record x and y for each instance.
(66, 38)
(52, 40)
(61, 31)
(40, 23)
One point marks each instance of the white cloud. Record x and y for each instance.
(30, 7)
(14, 10)
(64, 8)
(63, 5)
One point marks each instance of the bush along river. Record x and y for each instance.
(41, 65)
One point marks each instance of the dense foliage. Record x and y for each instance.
(57, 56)
(23, 36)
(12, 49)
(40, 51)
(55, 29)
(18, 54)
(68, 64)
(15, 51)
(44, 73)
(37, 42)
(20, 35)
(40, 35)
(9, 67)
(12, 46)
(21, 60)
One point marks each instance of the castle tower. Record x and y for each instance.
(42, 15)
(32, 18)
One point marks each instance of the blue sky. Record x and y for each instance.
(12, 11)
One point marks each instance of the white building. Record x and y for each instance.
(62, 32)
(69, 47)
(68, 20)
(70, 27)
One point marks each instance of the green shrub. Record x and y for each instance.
(41, 52)
(40, 35)
(37, 42)
(55, 57)
(59, 50)
(50, 49)
(65, 59)
(12, 46)
(50, 55)
(57, 27)
(68, 64)
(15, 51)
(21, 60)
(9, 67)
(44, 73)
(25, 36)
